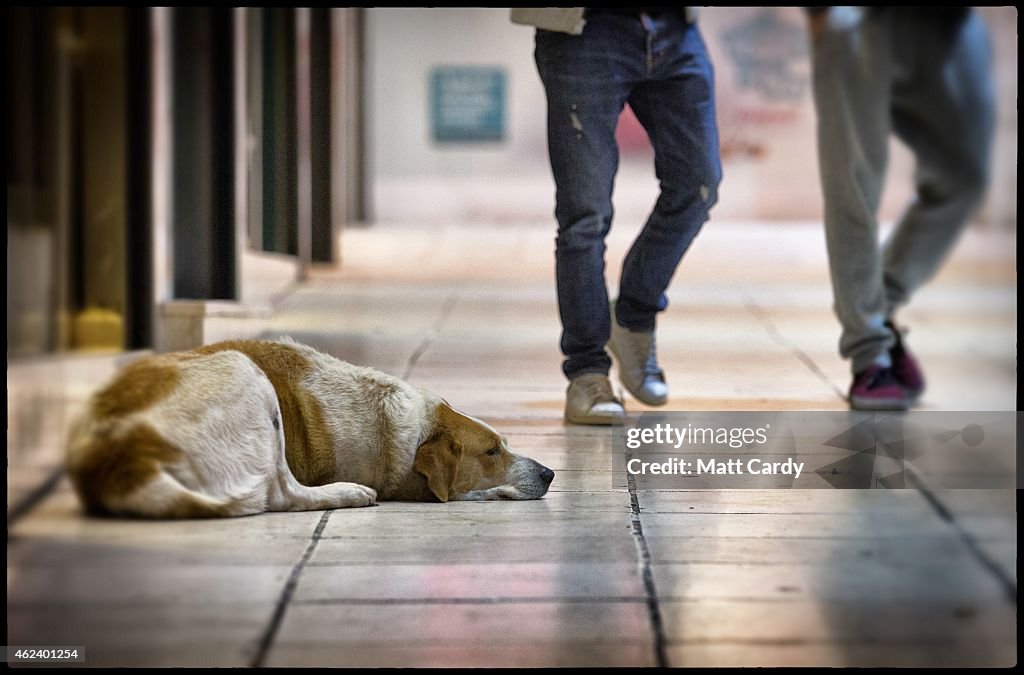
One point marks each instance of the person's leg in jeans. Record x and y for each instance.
(676, 107)
(852, 75)
(587, 79)
(945, 113)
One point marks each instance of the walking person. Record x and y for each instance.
(592, 62)
(923, 74)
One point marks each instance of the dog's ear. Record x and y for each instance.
(438, 460)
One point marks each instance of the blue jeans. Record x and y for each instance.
(660, 66)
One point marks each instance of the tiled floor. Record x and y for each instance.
(592, 574)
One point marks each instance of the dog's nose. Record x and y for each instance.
(547, 475)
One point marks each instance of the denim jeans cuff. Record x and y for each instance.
(634, 328)
(627, 317)
(632, 323)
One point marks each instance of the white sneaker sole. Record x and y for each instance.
(595, 420)
(886, 404)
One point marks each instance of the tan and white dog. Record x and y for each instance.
(248, 426)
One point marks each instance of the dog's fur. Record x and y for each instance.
(248, 426)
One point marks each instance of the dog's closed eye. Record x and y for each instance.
(493, 452)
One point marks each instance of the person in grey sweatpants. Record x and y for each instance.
(925, 75)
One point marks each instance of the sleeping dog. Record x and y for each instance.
(248, 426)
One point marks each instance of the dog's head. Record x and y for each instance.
(465, 459)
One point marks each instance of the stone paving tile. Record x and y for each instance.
(458, 548)
(129, 585)
(549, 580)
(489, 521)
(786, 525)
(801, 551)
(1003, 555)
(586, 502)
(521, 623)
(998, 527)
(553, 654)
(948, 652)
(867, 620)
(954, 580)
(60, 516)
(175, 634)
(99, 550)
(783, 501)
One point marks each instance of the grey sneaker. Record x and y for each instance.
(590, 400)
(638, 363)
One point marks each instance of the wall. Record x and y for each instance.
(765, 112)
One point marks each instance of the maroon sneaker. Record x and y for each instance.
(876, 388)
(904, 366)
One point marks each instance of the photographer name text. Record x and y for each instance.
(732, 467)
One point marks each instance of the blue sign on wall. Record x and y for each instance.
(467, 103)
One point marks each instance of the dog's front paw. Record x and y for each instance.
(371, 495)
(361, 495)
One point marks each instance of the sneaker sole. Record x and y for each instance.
(889, 404)
(640, 398)
(594, 420)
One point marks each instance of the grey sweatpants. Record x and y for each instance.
(925, 75)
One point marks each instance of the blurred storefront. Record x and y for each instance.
(168, 167)
(766, 120)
